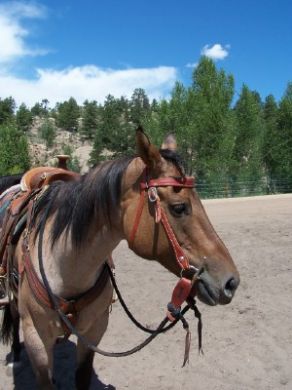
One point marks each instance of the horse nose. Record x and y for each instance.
(230, 287)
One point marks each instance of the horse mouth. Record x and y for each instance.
(206, 294)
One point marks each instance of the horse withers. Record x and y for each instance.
(146, 200)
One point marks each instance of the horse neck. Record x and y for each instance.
(73, 270)
(77, 266)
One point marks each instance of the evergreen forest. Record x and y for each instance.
(235, 143)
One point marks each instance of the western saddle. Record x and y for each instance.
(14, 205)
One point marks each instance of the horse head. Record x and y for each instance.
(164, 220)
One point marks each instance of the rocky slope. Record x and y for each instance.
(42, 155)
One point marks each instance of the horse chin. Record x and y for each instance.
(206, 294)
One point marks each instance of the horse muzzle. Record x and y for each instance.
(216, 292)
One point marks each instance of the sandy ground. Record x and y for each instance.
(247, 344)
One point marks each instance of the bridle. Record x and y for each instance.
(150, 187)
(189, 273)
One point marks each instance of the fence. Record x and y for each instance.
(236, 188)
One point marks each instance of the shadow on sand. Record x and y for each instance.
(64, 370)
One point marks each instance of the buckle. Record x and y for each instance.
(152, 194)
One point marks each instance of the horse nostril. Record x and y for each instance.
(230, 287)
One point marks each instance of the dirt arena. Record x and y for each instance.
(247, 344)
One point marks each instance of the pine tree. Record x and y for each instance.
(39, 109)
(271, 135)
(48, 132)
(68, 114)
(89, 119)
(139, 107)
(7, 107)
(248, 151)
(114, 136)
(14, 153)
(283, 155)
(23, 118)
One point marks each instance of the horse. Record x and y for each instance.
(148, 201)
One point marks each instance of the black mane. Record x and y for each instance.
(95, 196)
(76, 203)
(174, 158)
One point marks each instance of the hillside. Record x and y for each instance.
(40, 154)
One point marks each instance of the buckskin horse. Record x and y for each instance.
(73, 225)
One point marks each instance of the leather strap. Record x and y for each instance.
(70, 307)
(181, 258)
(160, 215)
(182, 182)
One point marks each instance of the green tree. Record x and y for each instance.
(139, 107)
(68, 114)
(23, 118)
(271, 135)
(283, 145)
(40, 109)
(211, 126)
(48, 132)
(114, 136)
(14, 152)
(248, 151)
(7, 107)
(89, 119)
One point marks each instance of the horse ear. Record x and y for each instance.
(147, 151)
(169, 142)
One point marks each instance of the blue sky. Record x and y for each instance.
(87, 49)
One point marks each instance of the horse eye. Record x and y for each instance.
(178, 209)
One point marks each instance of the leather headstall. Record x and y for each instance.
(150, 187)
(188, 273)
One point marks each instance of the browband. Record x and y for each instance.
(183, 182)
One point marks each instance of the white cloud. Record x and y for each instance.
(216, 52)
(84, 82)
(88, 82)
(13, 34)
